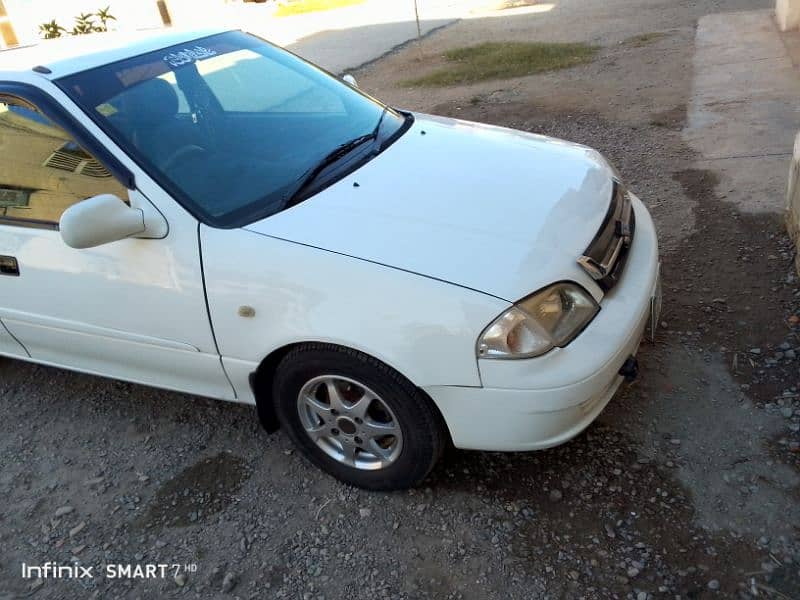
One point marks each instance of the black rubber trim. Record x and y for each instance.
(208, 310)
(265, 406)
(13, 337)
(53, 110)
(30, 223)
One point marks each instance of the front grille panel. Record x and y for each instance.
(605, 256)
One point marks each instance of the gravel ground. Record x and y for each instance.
(686, 486)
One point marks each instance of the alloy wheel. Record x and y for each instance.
(349, 422)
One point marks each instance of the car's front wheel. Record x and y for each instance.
(357, 418)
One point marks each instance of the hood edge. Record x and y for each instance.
(375, 262)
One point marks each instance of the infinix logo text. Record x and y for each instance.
(51, 570)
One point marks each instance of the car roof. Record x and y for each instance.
(76, 53)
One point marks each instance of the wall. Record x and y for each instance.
(793, 199)
(7, 35)
(787, 13)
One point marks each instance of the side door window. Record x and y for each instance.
(43, 171)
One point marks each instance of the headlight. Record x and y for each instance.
(551, 317)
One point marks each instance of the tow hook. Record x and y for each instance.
(630, 369)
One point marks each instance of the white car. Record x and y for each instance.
(209, 213)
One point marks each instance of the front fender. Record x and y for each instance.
(424, 328)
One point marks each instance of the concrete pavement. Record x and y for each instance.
(340, 50)
(338, 40)
(744, 111)
(343, 39)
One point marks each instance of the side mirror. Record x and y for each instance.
(350, 80)
(99, 220)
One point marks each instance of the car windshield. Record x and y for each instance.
(233, 126)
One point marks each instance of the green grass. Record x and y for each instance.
(296, 7)
(643, 39)
(504, 60)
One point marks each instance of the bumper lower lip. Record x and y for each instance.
(509, 426)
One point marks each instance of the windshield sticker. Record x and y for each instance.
(106, 109)
(188, 55)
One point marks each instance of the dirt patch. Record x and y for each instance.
(599, 516)
(720, 443)
(199, 491)
(673, 118)
(504, 60)
(643, 39)
(623, 83)
(733, 288)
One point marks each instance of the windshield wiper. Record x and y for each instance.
(380, 122)
(333, 156)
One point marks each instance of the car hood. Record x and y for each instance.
(496, 210)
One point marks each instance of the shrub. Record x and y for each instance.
(84, 23)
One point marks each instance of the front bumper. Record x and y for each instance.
(544, 401)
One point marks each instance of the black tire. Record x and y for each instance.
(423, 430)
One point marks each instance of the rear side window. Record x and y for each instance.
(42, 170)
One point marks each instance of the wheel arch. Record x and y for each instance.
(261, 382)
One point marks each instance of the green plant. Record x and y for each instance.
(104, 17)
(84, 23)
(51, 30)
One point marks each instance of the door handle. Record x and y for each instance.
(9, 266)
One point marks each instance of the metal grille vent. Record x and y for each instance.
(605, 257)
(76, 161)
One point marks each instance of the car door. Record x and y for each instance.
(8, 345)
(132, 309)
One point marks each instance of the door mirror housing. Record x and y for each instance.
(100, 220)
(350, 80)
